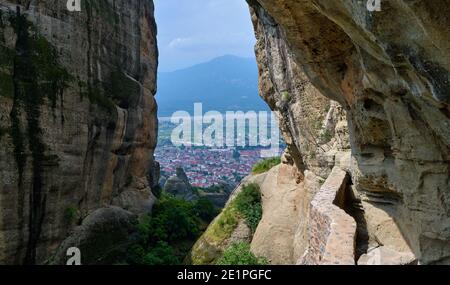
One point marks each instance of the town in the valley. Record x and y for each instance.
(205, 166)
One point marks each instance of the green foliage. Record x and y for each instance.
(225, 224)
(248, 203)
(165, 237)
(37, 76)
(161, 254)
(173, 220)
(205, 210)
(240, 254)
(211, 189)
(246, 206)
(52, 77)
(266, 165)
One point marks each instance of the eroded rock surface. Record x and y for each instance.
(284, 202)
(389, 72)
(78, 118)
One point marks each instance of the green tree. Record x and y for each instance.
(166, 236)
(205, 210)
(161, 254)
(173, 219)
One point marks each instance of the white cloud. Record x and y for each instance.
(222, 41)
(180, 43)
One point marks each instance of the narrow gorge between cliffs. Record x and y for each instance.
(211, 132)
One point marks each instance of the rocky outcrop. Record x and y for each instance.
(218, 195)
(389, 73)
(78, 119)
(179, 186)
(103, 236)
(283, 203)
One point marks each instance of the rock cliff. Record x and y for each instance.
(78, 119)
(366, 92)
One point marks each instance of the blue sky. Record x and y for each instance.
(195, 31)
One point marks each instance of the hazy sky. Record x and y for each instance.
(194, 31)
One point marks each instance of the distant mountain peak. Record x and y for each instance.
(225, 83)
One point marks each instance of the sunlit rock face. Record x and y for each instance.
(78, 119)
(389, 72)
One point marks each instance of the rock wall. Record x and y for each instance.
(314, 128)
(389, 72)
(78, 119)
(332, 231)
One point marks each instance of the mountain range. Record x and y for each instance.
(226, 83)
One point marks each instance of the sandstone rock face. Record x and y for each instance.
(315, 130)
(389, 72)
(280, 233)
(308, 120)
(78, 118)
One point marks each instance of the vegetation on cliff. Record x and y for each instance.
(166, 236)
(31, 76)
(240, 254)
(248, 203)
(246, 207)
(266, 165)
